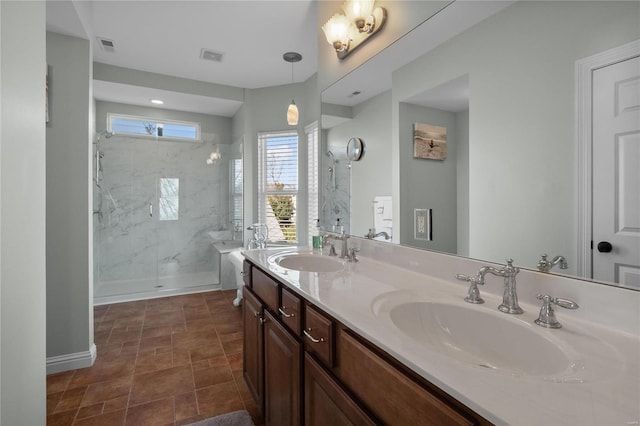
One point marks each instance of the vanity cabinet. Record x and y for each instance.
(317, 371)
(272, 360)
(253, 351)
(283, 378)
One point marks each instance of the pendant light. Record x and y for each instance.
(292, 111)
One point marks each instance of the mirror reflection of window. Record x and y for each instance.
(169, 200)
(236, 191)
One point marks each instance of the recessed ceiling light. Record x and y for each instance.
(157, 101)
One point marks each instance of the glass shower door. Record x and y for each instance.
(126, 237)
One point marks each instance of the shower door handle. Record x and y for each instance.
(150, 209)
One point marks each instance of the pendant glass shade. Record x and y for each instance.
(292, 114)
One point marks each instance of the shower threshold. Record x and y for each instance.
(141, 289)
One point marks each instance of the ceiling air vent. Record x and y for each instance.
(106, 44)
(356, 93)
(211, 55)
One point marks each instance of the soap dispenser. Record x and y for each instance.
(338, 228)
(316, 238)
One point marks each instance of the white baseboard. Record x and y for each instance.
(57, 364)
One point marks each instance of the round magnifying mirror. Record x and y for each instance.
(355, 149)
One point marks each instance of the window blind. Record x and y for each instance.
(312, 175)
(278, 184)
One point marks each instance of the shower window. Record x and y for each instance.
(169, 198)
(152, 127)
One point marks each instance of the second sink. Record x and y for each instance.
(480, 338)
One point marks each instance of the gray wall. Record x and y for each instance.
(265, 110)
(22, 213)
(522, 149)
(428, 184)
(69, 252)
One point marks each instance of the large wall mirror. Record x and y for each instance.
(500, 77)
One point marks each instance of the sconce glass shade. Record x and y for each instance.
(214, 157)
(358, 10)
(292, 114)
(336, 30)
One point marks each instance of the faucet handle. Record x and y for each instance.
(352, 254)
(509, 269)
(565, 303)
(543, 264)
(547, 317)
(473, 296)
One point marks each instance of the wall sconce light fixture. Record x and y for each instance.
(361, 20)
(214, 157)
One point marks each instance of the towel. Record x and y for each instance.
(383, 214)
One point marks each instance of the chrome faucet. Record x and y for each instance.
(371, 235)
(545, 265)
(509, 303)
(342, 237)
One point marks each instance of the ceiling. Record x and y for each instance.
(166, 37)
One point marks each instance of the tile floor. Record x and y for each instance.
(168, 361)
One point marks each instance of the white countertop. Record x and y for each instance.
(602, 387)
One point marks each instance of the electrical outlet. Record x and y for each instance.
(422, 224)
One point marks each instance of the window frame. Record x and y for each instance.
(263, 192)
(111, 116)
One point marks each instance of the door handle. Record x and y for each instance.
(604, 247)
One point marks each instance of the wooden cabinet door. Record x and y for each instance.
(253, 353)
(326, 403)
(283, 378)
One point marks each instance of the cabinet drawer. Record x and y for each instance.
(265, 288)
(318, 335)
(246, 273)
(290, 311)
(393, 397)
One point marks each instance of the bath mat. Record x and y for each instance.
(237, 418)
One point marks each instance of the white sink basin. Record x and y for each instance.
(307, 262)
(480, 338)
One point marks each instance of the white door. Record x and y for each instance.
(616, 173)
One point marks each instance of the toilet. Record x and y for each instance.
(236, 258)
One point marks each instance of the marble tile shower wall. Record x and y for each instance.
(336, 201)
(130, 243)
